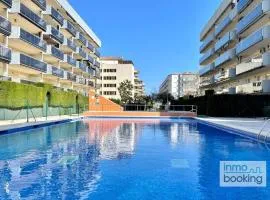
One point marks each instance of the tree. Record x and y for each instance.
(165, 97)
(125, 91)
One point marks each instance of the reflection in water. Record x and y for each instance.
(120, 158)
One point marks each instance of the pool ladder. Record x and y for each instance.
(262, 129)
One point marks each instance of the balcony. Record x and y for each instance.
(254, 16)
(68, 62)
(71, 77)
(207, 42)
(80, 81)
(53, 14)
(5, 26)
(26, 42)
(97, 53)
(7, 3)
(97, 64)
(205, 70)
(205, 59)
(90, 47)
(54, 72)
(81, 67)
(253, 43)
(225, 58)
(32, 17)
(90, 59)
(81, 39)
(53, 35)
(68, 46)
(5, 54)
(53, 55)
(41, 4)
(91, 71)
(97, 73)
(242, 5)
(225, 23)
(26, 64)
(227, 39)
(69, 29)
(80, 54)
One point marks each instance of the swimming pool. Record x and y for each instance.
(124, 159)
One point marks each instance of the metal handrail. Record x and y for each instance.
(262, 129)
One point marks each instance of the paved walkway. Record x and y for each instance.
(21, 123)
(253, 126)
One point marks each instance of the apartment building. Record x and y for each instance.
(115, 70)
(235, 48)
(179, 85)
(139, 86)
(47, 41)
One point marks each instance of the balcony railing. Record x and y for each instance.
(253, 39)
(97, 64)
(81, 80)
(82, 66)
(90, 59)
(206, 69)
(57, 16)
(71, 77)
(226, 57)
(82, 52)
(226, 39)
(70, 44)
(91, 71)
(5, 26)
(253, 17)
(5, 54)
(8, 3)
(70, 60)
(81, 38)
(70, 28)
(57, 35)
(40, 3)
(57, 53)
(207, 42)
(242, 5)
(220, 27)
(57, 72)
(32, 39)
(32, 17)
(207, 55)
(90, 47)
(97, 53)
(33, 63)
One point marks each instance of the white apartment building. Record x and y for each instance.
(236, 48)
(114, 71)
(179, 85)
(47, 41)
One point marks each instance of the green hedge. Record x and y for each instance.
(18, 95)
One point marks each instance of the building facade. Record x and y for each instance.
(114, 71)
(47, 41)
(180, 85)
(235, 48)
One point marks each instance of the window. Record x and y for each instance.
(109, 70)
(109, 93)
(109, 78)
(109, 85)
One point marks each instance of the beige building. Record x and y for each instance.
(115, 70)
(235, 48)
(47, 41)
(180, 85)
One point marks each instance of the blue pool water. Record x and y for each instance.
(124, 159)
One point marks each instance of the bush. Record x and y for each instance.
(17, 95)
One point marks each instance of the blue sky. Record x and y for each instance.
(160, 36)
